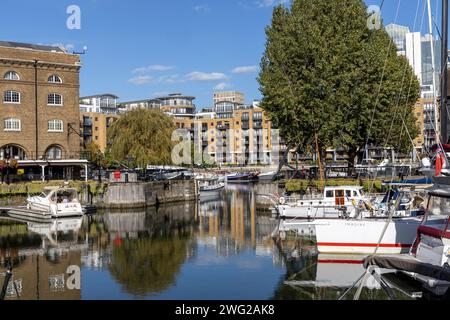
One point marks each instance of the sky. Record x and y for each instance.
(140, 49)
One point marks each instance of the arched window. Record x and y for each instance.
(55, 126)
(10, 152)
(12, 124)
(55, 99)
(11, 97)
(11, 75)
(54, 78)
(53, 153)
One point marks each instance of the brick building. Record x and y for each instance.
(39, 117)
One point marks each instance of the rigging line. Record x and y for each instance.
(382, 78)
(402, 117)
(404, 75)
(397, 107)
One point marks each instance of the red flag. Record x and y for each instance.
(440, 160)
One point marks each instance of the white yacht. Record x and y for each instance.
(55, 202)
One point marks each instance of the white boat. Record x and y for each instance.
(210, 188)
(361, 236)
(335, 202)
(55, 202)
(428, 260)
(267, 176)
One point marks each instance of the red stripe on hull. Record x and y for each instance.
(342, 261)
(382, 245)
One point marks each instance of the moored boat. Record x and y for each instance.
(242, 177)
(54, 202)
(335, 202)
(210, 187)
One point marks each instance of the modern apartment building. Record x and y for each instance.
(230, 133)
(398, 35)
(140, 104)
(94, 128)
(39, 88)
(178, 106)
(229, 96)
(101, 103)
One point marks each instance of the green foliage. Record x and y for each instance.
(321, 73)
(143, 135)
(24, 189)
(303, 185)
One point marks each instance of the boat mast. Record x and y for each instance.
(433, 66)
(444, 76)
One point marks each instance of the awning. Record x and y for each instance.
(408, 263)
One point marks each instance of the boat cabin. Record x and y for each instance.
(341, 195)
(60, 195)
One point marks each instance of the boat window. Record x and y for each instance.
(439, 206)
(329, 194)
(67, 196)
(348, 193)
(355, 193)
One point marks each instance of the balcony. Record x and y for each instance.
(257, 125)
(223, 126)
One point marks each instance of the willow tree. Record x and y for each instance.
(326, 75)
(142, 136)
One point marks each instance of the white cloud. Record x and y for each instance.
(245, 69)
(270, 3)
(140, 80)
(155, 67)
(222, 86)
(203, 76)
(174, 78)
(202, 8)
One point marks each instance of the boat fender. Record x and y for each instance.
(282, 200)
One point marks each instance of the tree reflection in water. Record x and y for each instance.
(149, 259)
(147, 266)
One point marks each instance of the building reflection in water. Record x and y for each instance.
(232, 223)
(46, 259)
(142, 251)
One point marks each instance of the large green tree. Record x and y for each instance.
(325, 73)
(144, 136)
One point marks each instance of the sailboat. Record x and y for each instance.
(427, 262)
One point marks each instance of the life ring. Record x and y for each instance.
(282, 200)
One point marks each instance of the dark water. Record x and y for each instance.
(218, 249)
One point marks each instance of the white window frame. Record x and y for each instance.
(55, 156)
(8, 77)
(15, 125)
(54, 98)
(54, 78)
(12, 92)
(55, 125)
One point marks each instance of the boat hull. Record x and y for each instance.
(362, 236)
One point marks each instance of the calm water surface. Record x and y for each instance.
(216, 249)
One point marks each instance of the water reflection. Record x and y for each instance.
(46, 258)
(216, 249)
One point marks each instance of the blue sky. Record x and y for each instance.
(141, 49)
